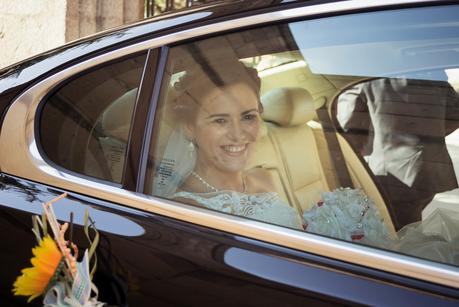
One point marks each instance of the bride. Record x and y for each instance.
(220, 117)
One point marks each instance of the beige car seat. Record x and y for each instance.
(113, 125)
(288, 149)
(297, 152)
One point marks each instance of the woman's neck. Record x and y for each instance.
(220, 180)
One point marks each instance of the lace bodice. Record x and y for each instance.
(267, 207)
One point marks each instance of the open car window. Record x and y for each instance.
(344, 126)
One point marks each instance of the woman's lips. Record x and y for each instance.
(234, 149)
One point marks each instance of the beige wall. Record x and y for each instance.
(85, 17)
(29, 27)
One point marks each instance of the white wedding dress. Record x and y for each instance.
(435, 238)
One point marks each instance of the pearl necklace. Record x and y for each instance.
(214, 189)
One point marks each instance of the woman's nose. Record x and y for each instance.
(237, 132)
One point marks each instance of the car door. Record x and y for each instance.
(98, 131)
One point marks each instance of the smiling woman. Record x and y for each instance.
(225, 128)
(220, 115)
(216, 109)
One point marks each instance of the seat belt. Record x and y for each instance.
(343, 177)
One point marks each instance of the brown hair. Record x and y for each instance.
(192, 87)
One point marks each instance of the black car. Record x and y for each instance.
(353, 127)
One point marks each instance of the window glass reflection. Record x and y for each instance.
(352, 137)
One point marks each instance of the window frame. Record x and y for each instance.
(132, 173)
(143, 162)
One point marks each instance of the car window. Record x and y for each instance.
(344, 126)
(84, 125)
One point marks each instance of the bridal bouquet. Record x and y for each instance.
(347, 214)
(55, 273)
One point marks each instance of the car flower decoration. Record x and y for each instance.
(55, 273)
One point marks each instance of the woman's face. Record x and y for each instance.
(226, 127)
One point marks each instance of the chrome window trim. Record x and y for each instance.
(17, 135)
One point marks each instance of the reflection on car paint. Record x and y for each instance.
(314, 278)
(34, 197)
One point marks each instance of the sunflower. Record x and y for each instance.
(34, 280)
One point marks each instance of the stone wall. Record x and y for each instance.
(85, 17)
(29, 27)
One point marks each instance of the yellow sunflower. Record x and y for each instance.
(35, 279)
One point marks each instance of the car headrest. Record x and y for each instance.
(287, 107)
(116, 119)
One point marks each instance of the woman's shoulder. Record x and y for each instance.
(260, 180)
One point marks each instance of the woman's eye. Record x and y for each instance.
(219, 121)
(249, 117)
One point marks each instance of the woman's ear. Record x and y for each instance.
(260, 107)
(188, 129)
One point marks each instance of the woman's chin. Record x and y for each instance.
(234, 167)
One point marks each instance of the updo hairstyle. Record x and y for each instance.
(199, 81)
